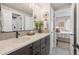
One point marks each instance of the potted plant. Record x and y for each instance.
(39, 25)
(36, 25)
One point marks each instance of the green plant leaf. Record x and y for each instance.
(39, 24)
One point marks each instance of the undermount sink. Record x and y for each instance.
(27, 38)
(20, 40)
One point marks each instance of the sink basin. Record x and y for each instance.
(23, 39)
(20, 40)
(26, 38)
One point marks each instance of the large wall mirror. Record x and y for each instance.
(12, 22)
(12, 19)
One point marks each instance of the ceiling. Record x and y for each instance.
(44, 5)
(58, 6)
(21, 6)
(27, 7)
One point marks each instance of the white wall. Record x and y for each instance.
(0, 18)
(6, 20)
(67, 25)
(28, 23)
(63, 12)
(41, 11)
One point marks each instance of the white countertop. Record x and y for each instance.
(10, 45)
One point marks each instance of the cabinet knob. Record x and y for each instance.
(43, 47)
(37, 53)
(30, 47)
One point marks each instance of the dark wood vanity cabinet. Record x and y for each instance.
(36, 51)
(47, 44)
(40, 47)
(36, 48)
(27, 50)
(43, 46)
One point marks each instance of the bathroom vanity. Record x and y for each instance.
(39, 47)
(38, 44)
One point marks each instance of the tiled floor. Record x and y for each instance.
(60, 51)
(63, 43)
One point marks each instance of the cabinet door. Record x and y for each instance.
(36, 48)
(6, 20)
(43, 46)
(43, 51)
(36, 51)
(36, 44)
(27, 50)
(43, 43)
(47, 44)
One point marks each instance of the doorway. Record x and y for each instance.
(63, 28)
(63, 32)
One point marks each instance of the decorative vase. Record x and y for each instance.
(39, 30)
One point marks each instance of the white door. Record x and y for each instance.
(52, 32)
(72, 29)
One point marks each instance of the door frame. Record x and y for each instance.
(52, 38)
(73, 40)
(77, 32)
(73, 36)
(75, 28)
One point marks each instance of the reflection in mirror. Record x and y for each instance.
(16, 22)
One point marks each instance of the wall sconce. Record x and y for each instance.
(35, 17)
(46, 15)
